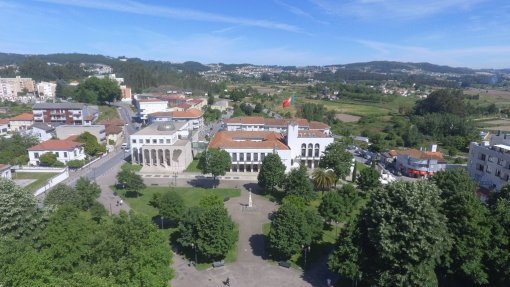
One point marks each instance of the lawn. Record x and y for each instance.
(190, 195)
(193, 166)
(41, 179)
(132, 167)
(107, 113)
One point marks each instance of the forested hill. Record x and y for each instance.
(138, 73)
(392, 67)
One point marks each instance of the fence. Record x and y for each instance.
(53, 181)
(40, 169)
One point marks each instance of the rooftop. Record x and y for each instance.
(112, 130)
(160, 128)
(418, 154)
(56, 145)
(23, 117)
(43, 126)
(191, 113)
(4, 121)
(312, 134)
(248, 140)
(114, 122)
(64, 106)
(4, 166)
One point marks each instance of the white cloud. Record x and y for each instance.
(394, 9)
(134, 7)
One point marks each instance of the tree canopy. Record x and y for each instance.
(398, 238)
(337, 158)
(214, 161)
(298, 183)
(272, 172)
(97, 91)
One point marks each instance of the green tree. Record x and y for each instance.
(215, 237)
(87, 192)
(340, 205)
(14, 149)
(210, 98)
(171, 206)
(67, 238)
(130, 181)
(323, 179)
(369, 179)
(398, 238)
(498, 255)
(468, 226)
(297, 183)
(92, 147)
(331, 207)
(337, 158)
(94, 91)
(293, 226)
(272, 172)
(62, 194)
(75, 163)
(19, 215)
(97, 212)
(214, 161)
(49, 159)
(130, 249)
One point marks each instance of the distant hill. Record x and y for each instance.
(395, 67)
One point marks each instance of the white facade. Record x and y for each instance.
(64, 152)
(42, 134)
(4, 127)
(46, 90)
(489, 163)
(146, 107)
(162, 147)
(5, 171)
(247, 148)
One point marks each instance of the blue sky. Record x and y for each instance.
(467, 33)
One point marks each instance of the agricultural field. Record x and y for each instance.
(498, 97)
(495, 125)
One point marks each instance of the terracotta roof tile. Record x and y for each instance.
(4, 121)
(256, 120)
(115, 122)
(191, 113)
(248, 140)
(184, 106)
(4, 166)
(312, 134)
(23, 117)
(318, 126)
(417, 154)
(56, 145)
(112, 130)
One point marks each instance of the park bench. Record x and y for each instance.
(217, 264)
(284, 264)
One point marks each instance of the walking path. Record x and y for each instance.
(107, 197)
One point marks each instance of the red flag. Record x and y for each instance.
(286, 102)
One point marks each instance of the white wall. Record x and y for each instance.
(63, 155)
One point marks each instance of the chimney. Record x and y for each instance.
(433, 147)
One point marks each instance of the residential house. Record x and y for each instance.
(65, 113)
(65, 150)
(21, 122)
(220, 105)
(114, 130)
(417, 163)
(5, 171)
(46, 90)
(41, 131)
(4, 126)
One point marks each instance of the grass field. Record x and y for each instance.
(132, 167)
(191, 197)
(192, 167)
(107, 113)
(40, 177)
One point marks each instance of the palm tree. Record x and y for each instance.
(323, 179)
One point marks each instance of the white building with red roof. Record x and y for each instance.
(249, 140)
(65, 150)
(5, 171)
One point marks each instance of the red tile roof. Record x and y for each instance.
(311, 134)
(318, 126)
(184, 106)
(115, 122)
(191, 113)
(23, 117)
(4, 166)
(112, 130)
(245, 120)
(56, 145)
(4, 121)
(417, 154)
(248, 140)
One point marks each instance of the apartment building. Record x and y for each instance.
(46, 90)
(10, 87)
(65, 113)
(489, 162)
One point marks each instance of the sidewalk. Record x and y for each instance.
(197, 175)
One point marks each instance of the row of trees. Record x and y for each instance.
(97, 91)
(427, 233)
(63, 244)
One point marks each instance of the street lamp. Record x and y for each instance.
(305, 248)
(175, 178)
(195, 249)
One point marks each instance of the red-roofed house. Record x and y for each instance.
(21, 122)
(65, 150)
(417, 163)
(5, 171)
